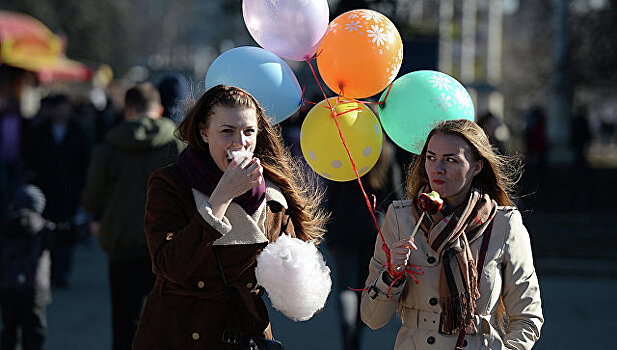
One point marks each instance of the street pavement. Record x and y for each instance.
(578, 313)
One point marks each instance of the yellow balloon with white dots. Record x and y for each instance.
(322, 145)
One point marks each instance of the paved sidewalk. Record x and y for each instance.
(578, 314)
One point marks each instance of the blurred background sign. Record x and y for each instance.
(28, 44)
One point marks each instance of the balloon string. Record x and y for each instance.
(302, 96)
(397, 275)
(351, 110)
(318, 84)
(304, 101)
(386, 97)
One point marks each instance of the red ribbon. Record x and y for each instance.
(408, 270)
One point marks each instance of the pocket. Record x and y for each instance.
(490, 337)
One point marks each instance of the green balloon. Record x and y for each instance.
(417, 102)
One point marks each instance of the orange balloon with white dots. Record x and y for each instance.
(361, 54)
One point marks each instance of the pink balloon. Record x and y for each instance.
(292, 29)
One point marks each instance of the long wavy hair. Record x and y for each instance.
(498, 176)
(499, 173)
(303, 197)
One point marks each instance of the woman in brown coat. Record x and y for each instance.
(233, 190)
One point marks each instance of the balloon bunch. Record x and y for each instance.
(359, 54)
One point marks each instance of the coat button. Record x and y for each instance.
(201, 284)
(431, 260)
(430, 340)
(249, 285)
(433, 301)
(195, 336)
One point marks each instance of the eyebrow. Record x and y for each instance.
(235, 127)
(445, 155)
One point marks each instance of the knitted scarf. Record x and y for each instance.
(202, 173)
(450, 233)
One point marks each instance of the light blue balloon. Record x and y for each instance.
(418, 101)
(262, 74)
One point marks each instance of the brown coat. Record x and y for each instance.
(188, 306)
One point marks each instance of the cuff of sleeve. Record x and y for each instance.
(382, 287)
(222, 226)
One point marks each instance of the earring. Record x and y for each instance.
(204, 137)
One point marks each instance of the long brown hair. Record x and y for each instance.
(498, 176)
(499, 173)
(279, 167)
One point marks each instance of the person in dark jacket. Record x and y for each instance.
(352, 232)
(25, 271)
(115, 195)
(173, 89)
(60, 160)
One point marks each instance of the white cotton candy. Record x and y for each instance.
(296, 277)
(239, 155)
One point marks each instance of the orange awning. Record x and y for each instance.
(28, 44)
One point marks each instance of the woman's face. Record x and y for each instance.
(450, 167)
(230, 129)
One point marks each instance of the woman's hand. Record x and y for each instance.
(239, 177)
(400, 253)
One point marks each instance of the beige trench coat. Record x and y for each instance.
(508, 271)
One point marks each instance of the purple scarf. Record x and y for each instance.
(203, 174)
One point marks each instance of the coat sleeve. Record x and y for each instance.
(375, 307)
(94, 197)
(521, 291)
(177, 247)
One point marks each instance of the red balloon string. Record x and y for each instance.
(351, 110)
(304, 101)
(397, 275)
(317, 80)
(386, 97)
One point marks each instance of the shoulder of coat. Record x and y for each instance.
(506, 210)
(402, 204)
(274, 193)
(171, 170)
(171, 175)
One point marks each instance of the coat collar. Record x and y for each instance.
(274, 193)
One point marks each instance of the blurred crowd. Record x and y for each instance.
(78, 167)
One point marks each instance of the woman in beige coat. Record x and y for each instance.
(458, 162)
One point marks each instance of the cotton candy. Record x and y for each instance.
(296, 277)
(239, 155)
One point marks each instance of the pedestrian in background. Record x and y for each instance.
(173, 89)
(536, 141)
(25, 271)
(496, 130)
(59, 161)
(115, 196)
(475, 252)
(351, 233)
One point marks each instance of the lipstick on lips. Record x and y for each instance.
(439, 181)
